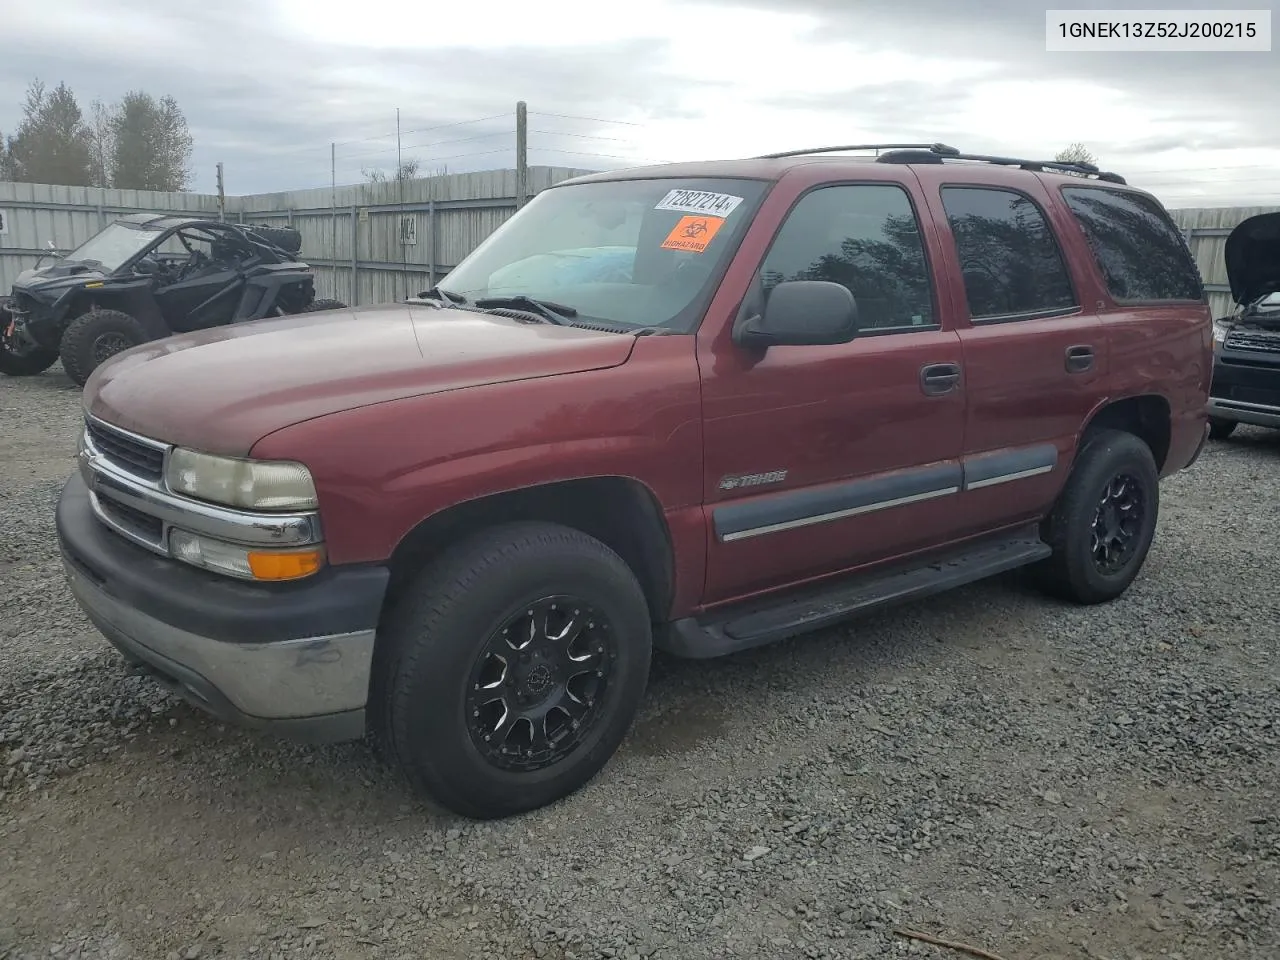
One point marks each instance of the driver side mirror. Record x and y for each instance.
(802, 313)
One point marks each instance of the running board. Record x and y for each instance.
(760, 623)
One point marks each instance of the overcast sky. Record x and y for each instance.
(267, 85)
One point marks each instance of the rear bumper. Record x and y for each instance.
(291, 659)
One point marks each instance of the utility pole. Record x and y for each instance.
(222, 195)
(522, 154)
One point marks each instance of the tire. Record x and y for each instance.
(286, 238)
(315, 306)
(95, 337)
(27, 363)
(1220, 429)
(424, 705)
(1112, 465)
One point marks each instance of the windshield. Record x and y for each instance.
(113, 246)
(630, 252)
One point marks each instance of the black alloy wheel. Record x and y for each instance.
(538, 683)
(1117, 523)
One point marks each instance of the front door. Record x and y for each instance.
(823, 458)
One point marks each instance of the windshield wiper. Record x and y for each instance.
(549, 310)
(446, 296)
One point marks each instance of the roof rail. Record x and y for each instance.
(912, 154)
(937, 148)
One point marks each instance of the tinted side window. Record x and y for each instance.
(865, 237)
(1008, 254)
(1140, 252)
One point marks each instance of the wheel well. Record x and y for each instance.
(1147, 417)
(618, 511)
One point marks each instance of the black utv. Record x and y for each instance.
(1246, 345)
(146, 277)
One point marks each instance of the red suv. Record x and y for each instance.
(697, 407)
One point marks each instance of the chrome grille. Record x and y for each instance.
(141, 525)
(129, 452)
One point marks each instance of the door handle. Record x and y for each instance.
(1079, 358)
(937, 379)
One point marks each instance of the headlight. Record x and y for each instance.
(248, 484)
(248, 563)
(1220, 330)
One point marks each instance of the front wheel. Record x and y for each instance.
(512, 670)
(21, 362)
(1103, 524)
(95, 337)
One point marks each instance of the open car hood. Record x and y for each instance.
(1252, 256)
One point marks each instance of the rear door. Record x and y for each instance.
(824, 458)
(1035, 351)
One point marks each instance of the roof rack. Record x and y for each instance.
(940, 149)
(918, 153)
(937, 152)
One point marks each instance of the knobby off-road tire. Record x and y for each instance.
(94, 337)
(438, 686)
(26, 364)
(1220, 429)
(1103, 524)
(315, 306)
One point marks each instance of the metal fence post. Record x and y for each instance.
(431, 241)
(355, 256)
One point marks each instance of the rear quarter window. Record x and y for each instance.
(1142, 256)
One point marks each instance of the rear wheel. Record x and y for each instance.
(95, 337)
(1103, 524)
(1220, 429)
(315, 306)
(512, 670)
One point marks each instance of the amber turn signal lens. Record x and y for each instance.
(284, 566)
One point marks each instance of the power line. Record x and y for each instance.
(584, 136)
(603, 156)
(571, 116)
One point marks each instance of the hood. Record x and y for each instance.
(57, 277)
(1252, 255)
(222, 390)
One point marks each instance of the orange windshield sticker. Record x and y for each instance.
(692, 234)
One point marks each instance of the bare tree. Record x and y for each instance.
(1076, 153)
(101, 142)
(408, 171)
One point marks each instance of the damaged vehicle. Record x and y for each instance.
(146, 277)
(1246, 345)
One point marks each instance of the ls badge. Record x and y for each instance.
(752, 479)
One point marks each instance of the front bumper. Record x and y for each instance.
(1254, 414)
(1246, 387)
(294, 659)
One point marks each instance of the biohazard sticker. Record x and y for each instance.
(693, 234)
(699, 201)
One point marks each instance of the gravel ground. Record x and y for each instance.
(988, 767)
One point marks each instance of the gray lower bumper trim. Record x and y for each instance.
(1254, 414)
(318, 680)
